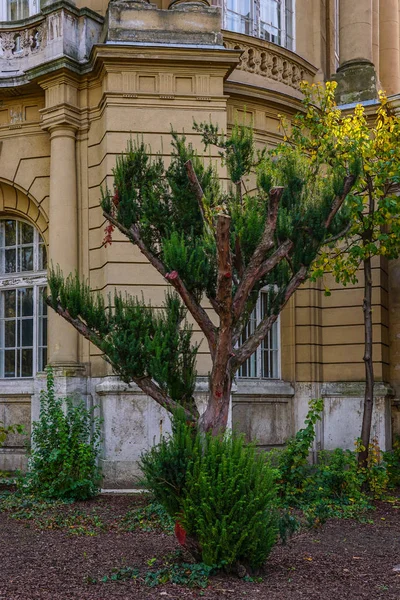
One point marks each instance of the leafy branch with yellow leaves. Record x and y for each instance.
(373, 206)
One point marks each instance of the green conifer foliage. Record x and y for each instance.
(213, 241)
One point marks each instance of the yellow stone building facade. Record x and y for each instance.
(77, 80)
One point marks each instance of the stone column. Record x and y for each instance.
(63, 235)
(356, 76)
(389, 57)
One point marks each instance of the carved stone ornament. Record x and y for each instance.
(18, 44)
(264, 60)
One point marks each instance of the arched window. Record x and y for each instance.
(23, 311)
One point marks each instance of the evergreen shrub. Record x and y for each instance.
(65, 446)
(220, 491)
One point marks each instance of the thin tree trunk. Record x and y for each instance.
(369, 365)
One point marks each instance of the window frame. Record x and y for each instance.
(255, 20)
(34, 279)
(259, 352)
(34, 9)
(336, 35)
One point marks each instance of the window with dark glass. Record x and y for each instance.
(265, 362)
(23, 311)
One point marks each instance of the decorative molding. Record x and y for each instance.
(354, 389)
(37, 43)
(269, 60)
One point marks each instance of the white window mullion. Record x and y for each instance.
(278, 348)
(283, 32)
(34, 7)
(17, 248)
(2, 252)
(35, 330)
(255, 17)
(258, 351)
(18, 336)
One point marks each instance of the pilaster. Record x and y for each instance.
(389, 46)
(61, 118)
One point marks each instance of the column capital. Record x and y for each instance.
(61, 102)
(61, 118)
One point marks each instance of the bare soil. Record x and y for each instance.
(52, 560)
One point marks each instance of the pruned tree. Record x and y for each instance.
(216, 245)
(374, 219)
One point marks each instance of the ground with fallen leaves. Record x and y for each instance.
(66, 555)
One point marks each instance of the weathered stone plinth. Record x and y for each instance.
(357, 82)
(189, 23)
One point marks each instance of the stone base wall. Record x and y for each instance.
(15, 407)
(341, 421)
(268, 411)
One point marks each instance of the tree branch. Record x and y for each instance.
(252, 342)
(147, 385)
(349, 181)
(338, 236)
(242, 321)
(266, 243)
(197, 312)
(248, 281)
(79, 325)
(196, 187)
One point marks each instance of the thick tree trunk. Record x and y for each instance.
(369, 366)
(215, 417)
